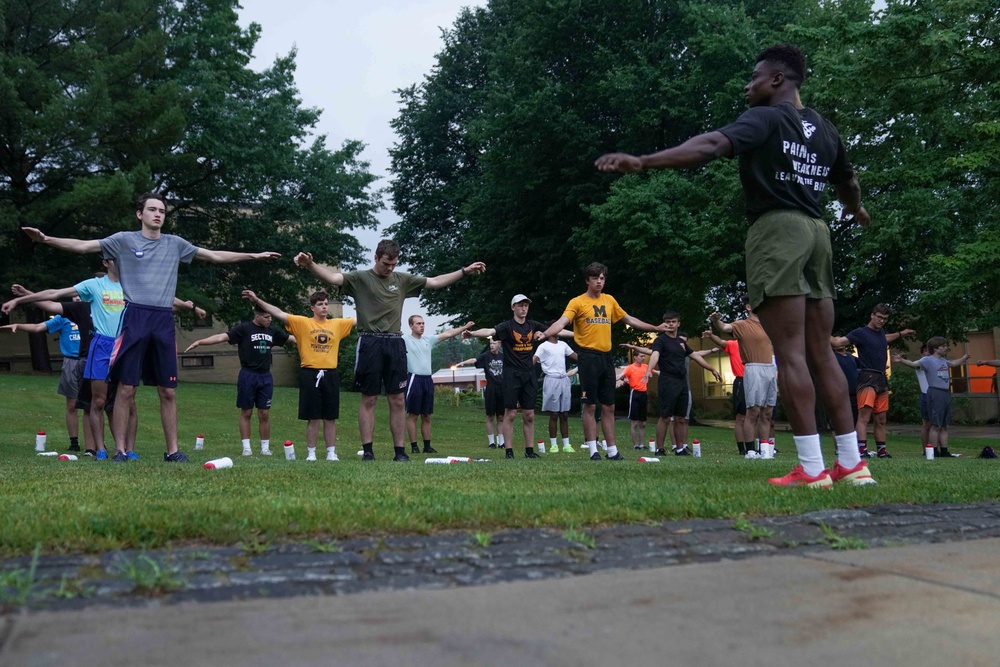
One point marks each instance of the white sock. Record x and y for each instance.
(810, 453)
(246, 443)
(500, 440)
(612, 450)
(565, 442)
(311, 450)
(847, 449)
(265, 445)
(592, 446)
(553, 443)
(604, 445)
(491, 438)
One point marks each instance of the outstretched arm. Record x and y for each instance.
(705, 353)
(958, 362)
(28, 327)
(719, 323)
(899, 359)
(637, 348)
(556, 327)
(211, 340)
(889, 337)
(709, 334)
(189, 305)
(840, 341)
(304, 260)
(451, 333)
(700, 360)
(695, 152)
(70, 245)
(995, 363)
(479, 333)
(229, 257)
(445, 279)
(467, 362)
(274, 311)
(33, 297)
(636, 323)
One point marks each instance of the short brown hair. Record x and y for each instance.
(140, 203)
(409, 320)
(316, 297)
(935, 342)
(595, 269)
(387, 248)
(880, 309)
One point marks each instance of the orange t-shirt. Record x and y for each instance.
(635, 374)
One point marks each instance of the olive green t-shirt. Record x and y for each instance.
(379, 301)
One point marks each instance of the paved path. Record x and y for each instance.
(774, 591)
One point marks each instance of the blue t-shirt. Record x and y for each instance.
(849, 364)
(107, 302)
(418, 353)
(69, 335)
(872, 347)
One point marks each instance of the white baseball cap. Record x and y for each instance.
(518, 298)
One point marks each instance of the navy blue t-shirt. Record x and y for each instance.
(787, 158)
(849, 364)
(872, 348)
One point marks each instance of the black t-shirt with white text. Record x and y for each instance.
(493, 365)
(518, 343)
(787, 158)
(255, 343)
(673, 355)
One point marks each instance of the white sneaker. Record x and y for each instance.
(265, 452)
(311, 456)
(752, 455)
(247, 451)
(332, 456)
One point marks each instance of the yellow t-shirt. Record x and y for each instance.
(319, 342)
(592, 320)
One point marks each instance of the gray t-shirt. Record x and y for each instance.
(147, 268)
(937, 370)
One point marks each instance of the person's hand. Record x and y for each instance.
(539, 335)
(716, 316)
(193, 345)
(981, 362)
(468, 325)
(706, 333)
(35, 235)
(897, 358)
(661, 327)
(12, 327)
(718, 376)
(621, 163)
(466, 335)
(265, 255)
(200, 313)
(475, 267)
(303, 260)
(861, 216)
(19, 290)
(8, 306)
(906, 333)
(249, 296)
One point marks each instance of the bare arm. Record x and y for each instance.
(467, 362)
(274, 311)
(211, 340)
(695, 152)
(849, 194)
(451, 333)
(705, 353)
(479, 333)
(556, 327)
(995, 363)
(654, 359)
(445, 279)
(958, 362)
(637, 348)
(700, 360)
(70, 245)
(636, 323)
(229, 257)
(709, 334)
(889, 337)
(573, 371)
(899, 359)
(839, 341)
(304, 260)
(33, 297)
(54, 307)
(30, 328)
(719, 323)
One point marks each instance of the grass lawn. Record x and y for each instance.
(89, 506)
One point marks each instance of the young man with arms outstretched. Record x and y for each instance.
(419, 385)
(518, 337)
(556, 390)
(871, 341)
(788, 156)
(318, 340)
(254, 385)
(146, 347)
(760, 381)
(937, 371)
(491, 361)
(591, 315)
(378, 294)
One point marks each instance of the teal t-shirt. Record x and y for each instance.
(418, 353)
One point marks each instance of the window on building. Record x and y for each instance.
(200, 361)
(970, 378)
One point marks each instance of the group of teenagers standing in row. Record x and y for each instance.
(788, 156)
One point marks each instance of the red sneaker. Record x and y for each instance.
(798, 477)
(859, 475)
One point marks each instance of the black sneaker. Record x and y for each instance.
(120, 457)
(368, 456)
(531, 455)
(882, 454)
(176, 457)
(510, 453)
(414, 449)
(90, 452)
(638, 446)
(430, 450)
(683, 451)
(659, 452)
(493, 445)
(73, 448)
(401, 457)
(617, 457)
(596, 456)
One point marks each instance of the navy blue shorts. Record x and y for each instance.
(380, 363)
(146, 348)
(319, 393)
(419, 395)
(254, 390)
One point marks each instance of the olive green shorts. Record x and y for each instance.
(789, 254)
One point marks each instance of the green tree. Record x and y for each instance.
(101, 100)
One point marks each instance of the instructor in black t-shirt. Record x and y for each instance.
(788, 156)
(254, 387)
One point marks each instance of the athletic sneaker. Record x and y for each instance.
(638, 446)
(752, 454)
(531, 455)
(332, 456)
(859, 475)
(617, 457)
(430, 450)
(131, 456)
(596, 456)
(247, 451)
(945, 454)
(90, 452)
(401, 457)
(265, 452)
(311, 455)
(368, 456)
(882, 454)
(567, 448)
(414, 449)
(176, 457)
(120, 457)
(510, 453)
(73, 448)
(493, 445)
(660, 452)
(102, 455)
(683, 451)
(798, 477)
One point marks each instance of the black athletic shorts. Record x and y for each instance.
(319, 393)
(673, 396)
(597, 377)
(739, 397)
(637, 405)
(520, 389)
(380, 363)
(493, 397)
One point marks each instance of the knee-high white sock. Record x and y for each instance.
(592, 446)
(810, 454)
(847, 449)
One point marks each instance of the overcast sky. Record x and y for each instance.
(351, 57)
